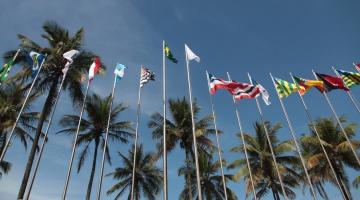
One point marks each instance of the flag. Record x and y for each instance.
(191, 55)
(4, 72)
(146, 76)
(331, 82)
(284, 88)
(94, 68)
(264, 93)
(357, 66)
(35, 60)
(69, 56)
(169, 55)
(350, 78)
(246, 91)
(216, 83)
(119, 71)
(308, 84)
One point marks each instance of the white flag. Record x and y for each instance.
(191, 55)
(264, 94)
(69, 56)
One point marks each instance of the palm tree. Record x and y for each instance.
(262, 165)
(211, 182)
(11, 100)
(336, 147)
(148, 176)
(59, 41)
(93, 130)
(179, 130)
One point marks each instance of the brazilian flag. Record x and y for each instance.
(169, 55)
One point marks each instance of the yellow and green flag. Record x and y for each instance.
(350, 79)
(284, 88)
(169, 55)
(5, 71)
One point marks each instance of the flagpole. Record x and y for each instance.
(135, 143)
(269, 143)
(217, 137)
(45, 137)
(165, 184)
(74, 144)
(21, 109)
(193, 130)
(347, 92)
(319, 138)
(295, 140)
(356, 67)
(244, 144)
(337, 119)
(106, 140)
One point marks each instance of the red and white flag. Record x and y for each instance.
(246, 91)
(357, 66)
(94, 68)
(216, 83)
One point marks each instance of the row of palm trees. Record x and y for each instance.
(179, 128)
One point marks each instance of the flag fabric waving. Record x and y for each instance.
(4, 72)
(69, 56)
(119, 71)
(331, 82)
(191, 55)
(284, 88)
(308, 84)
(146, 76)
(216, 83)
(35, 59)
(169, 55)
(264, 93)
(246, 91)
(350, 78)
(357, 67)
(94, 68)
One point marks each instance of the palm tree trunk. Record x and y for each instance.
(88, 193)
(187, 177)
(343, 187)
(44, 113)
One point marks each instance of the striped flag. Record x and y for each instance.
(331, 82)
(357, 67)
(246, 91)
(216, 83)
(146, 76)
(284, 88)
(308, 84)
(94, 68)
(350, 79)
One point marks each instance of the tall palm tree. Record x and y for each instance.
(211, 181)
(59, 42)
(179, 130)
(148, 176)
(11, 100)
(262, 165)
(93, 130)
(337, 148)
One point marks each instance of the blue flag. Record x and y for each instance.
(119, 71)
(35, 59)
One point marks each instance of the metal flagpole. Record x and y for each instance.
(337, 119)
(296, 142)
(21, 109)
(193, 130)
(74, 144)
(270, 145)
(106, 140)
(347, 92)
(244, 144)
(164, 128)
(319, 138)
(135, 143)
(45, 137)
(217, 137)
(356, 67)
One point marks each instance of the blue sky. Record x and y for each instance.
(258, 37)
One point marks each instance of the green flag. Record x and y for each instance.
(169, 55)
(5, 71)
(284, 88)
